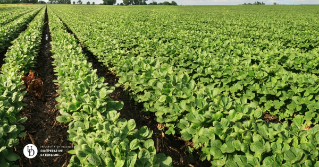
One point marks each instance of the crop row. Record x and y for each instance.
(19, 59)
(212, 90)
(8, 17)
(99, 136)
(9, 11)
(11, 30)
(14, 14)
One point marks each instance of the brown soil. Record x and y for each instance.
(269, 118)
(2, 56)
(41, 127)
(171, 145)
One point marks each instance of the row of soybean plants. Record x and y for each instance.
(99, 136)
(20, 58)
(12, 14)
(210, 88)
(10, 31)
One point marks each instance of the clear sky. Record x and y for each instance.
(220, 2)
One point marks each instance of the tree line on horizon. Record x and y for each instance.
(125, 2)
(256, 3)
(137, 2)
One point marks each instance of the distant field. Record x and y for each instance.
(6, 5)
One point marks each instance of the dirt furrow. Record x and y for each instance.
(41, 127)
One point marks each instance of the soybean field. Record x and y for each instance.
(159, 86)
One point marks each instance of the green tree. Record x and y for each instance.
(143, 2)
(93, 3)
(173, 3)
(127, 2)
(275, 3)
(136, 2)
(153, 3)
(88, 3)
(109, 2)
(121, 4)
(73, 2)
(166, 3)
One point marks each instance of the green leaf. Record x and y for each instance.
(293, 155)
(187, 92)
(186, 136)
(22, 134)
(62, 119)
(131, 159)
(299, 120)
(160, 85)
(103, 92)
(203, 139)
(144, 155)
(120, 162)
(216, 152)
(86, 148)
(12, 156)
(75, 160)
(257, 147)
(227, 148)
(94, 159)
(162, 98)
(144, 132)
(183, 124)
(148, 143)
(131, 124)
(191, 117)
(134, 144)
(71, 151)
(183, 105)
(163, 160)
(80, 154)
(289, 156)
(191, 85)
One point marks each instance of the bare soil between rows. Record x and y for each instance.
(2, 56)
(41, 128)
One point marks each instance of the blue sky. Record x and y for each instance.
(221, 2)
